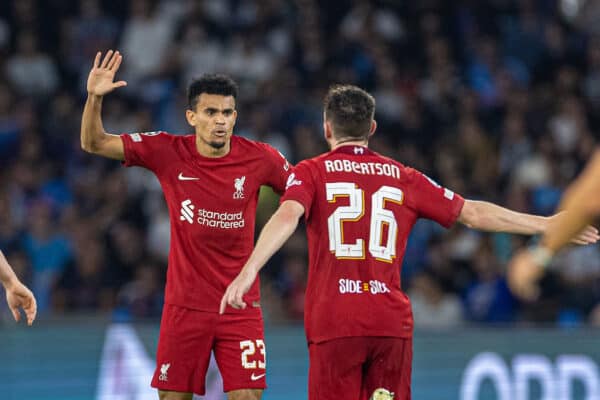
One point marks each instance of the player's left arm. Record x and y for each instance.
(485, 216)
(272, 237)
(17, 294)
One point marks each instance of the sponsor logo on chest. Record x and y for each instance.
(358, 287)
(210, 218)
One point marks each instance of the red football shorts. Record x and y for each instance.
(354, 368)
(187, 338)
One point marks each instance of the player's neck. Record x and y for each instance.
(349, 142)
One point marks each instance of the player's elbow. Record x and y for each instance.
(289, 213)
(89, 146)
(287, 217)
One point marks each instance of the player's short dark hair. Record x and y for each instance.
(350, 111)
(211, 84)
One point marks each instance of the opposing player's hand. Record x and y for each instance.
(236, 290)
(102, 76)
(18, 296)
(523, 276)
(588, 235)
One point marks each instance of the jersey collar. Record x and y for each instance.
(354, 150)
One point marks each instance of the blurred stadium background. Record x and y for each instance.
(496, 99)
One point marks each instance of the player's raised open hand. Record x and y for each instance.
(237, 289)
(102, 76)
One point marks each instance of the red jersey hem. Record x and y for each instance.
(326, 338)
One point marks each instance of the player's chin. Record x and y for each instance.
(217, 144)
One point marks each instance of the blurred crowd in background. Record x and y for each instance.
(497, 100)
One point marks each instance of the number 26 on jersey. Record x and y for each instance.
(380, 249)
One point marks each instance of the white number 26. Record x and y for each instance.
(354, 211)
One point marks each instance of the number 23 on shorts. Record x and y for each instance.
(249, 350)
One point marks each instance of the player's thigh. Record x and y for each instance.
(245, 394)
(170, 395)
(240, 352)
(335, 370)
(389, 370)
(184, 350)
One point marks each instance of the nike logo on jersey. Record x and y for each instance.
(256, 377)
(186, 178)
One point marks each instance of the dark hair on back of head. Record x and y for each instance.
(350, 110)
(211, 84)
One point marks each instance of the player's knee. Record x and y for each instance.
(245, 394)
(168, 395)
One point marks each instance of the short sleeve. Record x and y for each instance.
(277, 170)
(146, 149)
(300, 187)
(433, 201)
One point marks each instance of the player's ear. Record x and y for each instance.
(327, 130)
(190, 116)
(373, 128)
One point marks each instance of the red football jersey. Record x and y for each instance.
(360, 208)
(212, 207)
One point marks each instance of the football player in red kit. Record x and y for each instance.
(210, 181)
(360, 208)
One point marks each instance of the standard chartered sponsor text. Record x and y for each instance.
(222, 220)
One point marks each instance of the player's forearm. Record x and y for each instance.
(272, 237)
(485, 216)
(7, 275)
(92, 129)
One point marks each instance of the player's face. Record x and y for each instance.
(213, 119)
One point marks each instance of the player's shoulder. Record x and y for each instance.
(158, 137)
(253, 149)
(407, 173)
(251, 145)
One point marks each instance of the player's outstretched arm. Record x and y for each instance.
(275, 233)
(581, 204)
(17, 295)
(100, 82)
(490, 217)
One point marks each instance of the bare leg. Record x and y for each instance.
(170, 395)
(245, 394)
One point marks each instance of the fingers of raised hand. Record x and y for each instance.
(106, 59)
(115, 61)
(97, 60)
(111, 61)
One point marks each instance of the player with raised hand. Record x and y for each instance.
(17, 295)
(360, 208)
(210, 180)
